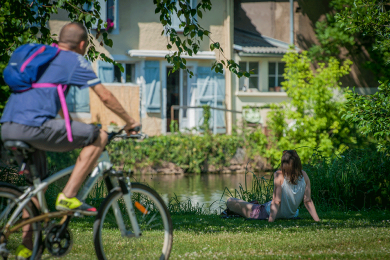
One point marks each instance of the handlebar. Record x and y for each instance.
(124, 136)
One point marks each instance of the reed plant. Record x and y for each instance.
(177, 206)
(260, 189)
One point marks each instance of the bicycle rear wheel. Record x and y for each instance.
(154, 221)
(31, 235)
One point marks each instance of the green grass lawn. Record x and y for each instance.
(340, 235)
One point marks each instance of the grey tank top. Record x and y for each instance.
(292, 196)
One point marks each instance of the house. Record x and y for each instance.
(146, 87)
(256, 34)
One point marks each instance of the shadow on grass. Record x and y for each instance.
(329, 220)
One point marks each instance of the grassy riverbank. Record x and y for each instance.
(340, 235)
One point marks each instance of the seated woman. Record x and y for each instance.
(291, 186)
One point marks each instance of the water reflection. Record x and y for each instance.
(205, 189)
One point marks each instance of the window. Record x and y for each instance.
(275, 76)
(77, 100)
(253, 81)
(108, 13)
(176, 21)
(127, 76)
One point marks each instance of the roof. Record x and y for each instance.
(249, 44)
(203, 55)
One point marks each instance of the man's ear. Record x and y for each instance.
(83, 46)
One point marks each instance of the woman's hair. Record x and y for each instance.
(291, 166)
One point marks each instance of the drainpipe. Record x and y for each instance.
(291, 21)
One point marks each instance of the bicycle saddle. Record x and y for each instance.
(18, 145)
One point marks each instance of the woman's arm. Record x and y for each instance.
(309, 204)
(277, 195)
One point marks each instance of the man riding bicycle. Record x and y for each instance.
(30, 117)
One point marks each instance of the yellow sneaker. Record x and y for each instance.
(74, 204)
(23, 253)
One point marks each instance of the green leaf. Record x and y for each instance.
(200, 14)
(186, 31)
(193, 12)
(157, 10)
(88, 18)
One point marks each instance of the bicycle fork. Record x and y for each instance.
(129, 208)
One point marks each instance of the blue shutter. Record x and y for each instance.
(70, 102)
(82, 100)
(211, 91)
(105, 71)
(77, 99)
(152, 87)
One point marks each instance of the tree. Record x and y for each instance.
(370, 18)
(24, 21)
(337, 35)
(312, 111)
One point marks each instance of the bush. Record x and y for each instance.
(358, 178)
(188, 151)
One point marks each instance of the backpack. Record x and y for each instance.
(27, 64)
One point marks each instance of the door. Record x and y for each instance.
(211, 91)
(173, 96)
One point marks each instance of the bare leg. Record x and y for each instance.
(240, 207)
(84, 165)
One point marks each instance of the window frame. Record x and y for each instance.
(276, 75)
(123, 74)
(103, 15)
(246, 80)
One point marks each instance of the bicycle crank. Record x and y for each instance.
(58, 244)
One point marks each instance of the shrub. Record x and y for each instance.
(312, 111)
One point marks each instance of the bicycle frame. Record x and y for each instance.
(103, 166)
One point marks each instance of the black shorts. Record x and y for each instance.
(51, 136)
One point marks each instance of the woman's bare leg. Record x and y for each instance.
(240, 207)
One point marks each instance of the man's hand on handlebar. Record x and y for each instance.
(132, 129)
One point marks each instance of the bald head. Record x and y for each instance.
(72, 35)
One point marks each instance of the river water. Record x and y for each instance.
(207, 190)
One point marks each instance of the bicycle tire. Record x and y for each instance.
(9, 194)
(105, 223)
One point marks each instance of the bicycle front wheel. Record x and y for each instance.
(30, 235)
(153, 219)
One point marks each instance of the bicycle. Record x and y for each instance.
(138, 211)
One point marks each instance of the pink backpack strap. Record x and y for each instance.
(60, 89)
(26, 62)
